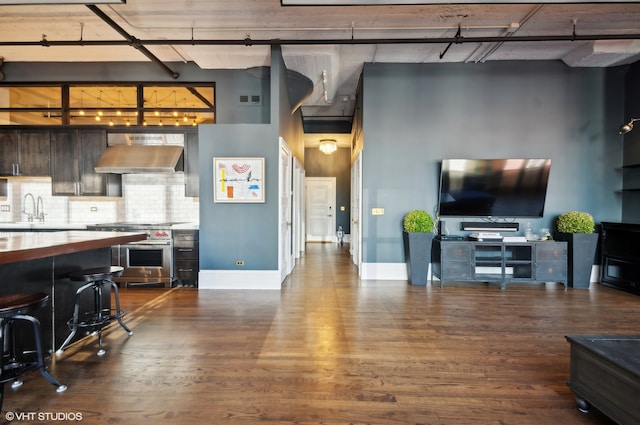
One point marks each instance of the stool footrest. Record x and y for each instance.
(91, 321)
(12, 370)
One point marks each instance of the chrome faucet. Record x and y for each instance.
(30, 214)
(40, 209)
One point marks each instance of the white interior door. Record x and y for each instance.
(285, 254)
(356, 210)
(320, 195)
(298, 208)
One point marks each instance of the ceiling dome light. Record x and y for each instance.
(328, 146)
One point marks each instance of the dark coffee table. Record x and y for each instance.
(605, 373)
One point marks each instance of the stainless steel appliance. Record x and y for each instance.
(142, 153)
(145, 262)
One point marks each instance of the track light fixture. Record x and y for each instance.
(625, 128)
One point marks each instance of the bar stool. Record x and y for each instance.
(94, 321)
(14, 363)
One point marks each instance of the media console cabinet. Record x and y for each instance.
(501, 262)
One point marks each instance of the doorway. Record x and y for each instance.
(285, 249)
(320, 195)
(356, 210)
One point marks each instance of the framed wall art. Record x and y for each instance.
(238, 180)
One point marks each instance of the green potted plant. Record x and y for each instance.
(577, 229)
(418, 234)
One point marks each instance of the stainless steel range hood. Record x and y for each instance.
(140, 153)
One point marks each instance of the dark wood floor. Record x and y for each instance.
(332, 349)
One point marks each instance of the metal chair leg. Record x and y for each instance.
(97, 302)
(40, 354)
(119, 313)
(75, 319)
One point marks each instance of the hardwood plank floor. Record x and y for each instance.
(332, 349)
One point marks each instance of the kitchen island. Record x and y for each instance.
(41, 262)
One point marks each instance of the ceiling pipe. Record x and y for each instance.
(510, 32)
(305, 42)
(131, 40)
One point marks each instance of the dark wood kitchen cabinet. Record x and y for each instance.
(186, 256)
(74, 155)
(191, 176)
(25, 152)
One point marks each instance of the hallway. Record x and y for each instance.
(332, 349)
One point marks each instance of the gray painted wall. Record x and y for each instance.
(414, 115)
(230, 232)
(248, 232)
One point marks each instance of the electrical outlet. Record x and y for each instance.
(377, 211)
(93, 209)
(5, 208)
(239, 262)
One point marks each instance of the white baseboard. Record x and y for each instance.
(233, 279)
(270, 279)
(595, 274)
(383, 271)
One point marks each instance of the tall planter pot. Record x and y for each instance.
(581, 255)
(417, 253)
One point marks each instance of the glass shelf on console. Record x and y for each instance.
(488, 253)
(488, 262)
(518, 261)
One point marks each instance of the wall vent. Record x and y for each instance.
(250, 99)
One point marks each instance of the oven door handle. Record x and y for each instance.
(150, 243)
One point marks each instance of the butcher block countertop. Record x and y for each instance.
(17, 247)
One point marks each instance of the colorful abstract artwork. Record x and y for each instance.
(238, 179)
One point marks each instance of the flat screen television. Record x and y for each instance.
(493, 187)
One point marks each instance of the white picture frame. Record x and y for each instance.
(238, 179)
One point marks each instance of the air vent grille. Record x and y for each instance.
(250, 99)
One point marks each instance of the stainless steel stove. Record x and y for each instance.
(145, 262)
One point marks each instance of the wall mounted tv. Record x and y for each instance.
(493, 187)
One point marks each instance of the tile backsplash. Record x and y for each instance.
(145, 198)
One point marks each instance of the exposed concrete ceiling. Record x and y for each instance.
(327, 44)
